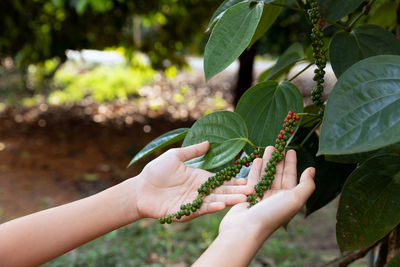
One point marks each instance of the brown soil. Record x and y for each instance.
(67, 159)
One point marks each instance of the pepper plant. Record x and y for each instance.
(352, 138)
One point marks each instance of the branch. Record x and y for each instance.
(300, 72)
(348, 258)
(365, 11)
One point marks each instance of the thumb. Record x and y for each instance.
(306, 186)
(193, 151)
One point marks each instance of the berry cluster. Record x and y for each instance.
(212, 182)
(288, 129)
(317, 35)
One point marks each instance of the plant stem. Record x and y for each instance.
(308, 115)
(299, 73)
(287, 6)
(365, 11)
(337, 25)
(309, 134)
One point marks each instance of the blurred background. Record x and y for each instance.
(85, 84)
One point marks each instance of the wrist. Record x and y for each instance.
(125, 196)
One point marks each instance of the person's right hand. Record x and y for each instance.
(280, 203)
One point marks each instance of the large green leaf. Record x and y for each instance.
(337, 9)
(230, 36)
(264, 108)
(395, 262)
(360, 157)
(227, 133)
(160, 142)
(347, 48)
(292, 55)
(329, 177)
(369, 204)
(221, 10)
(362, 112)
(269, 15)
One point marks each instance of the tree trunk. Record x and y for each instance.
(245, 74)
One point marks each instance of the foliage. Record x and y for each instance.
(33, 31)
(103, 83)
(359, 122)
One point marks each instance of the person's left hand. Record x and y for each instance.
(166, 183)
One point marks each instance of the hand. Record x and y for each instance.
(280, 202)
(166, 183)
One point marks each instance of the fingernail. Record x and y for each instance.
(312, 172)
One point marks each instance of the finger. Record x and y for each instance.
(228, 199)
(236, 181)
(190, 152)
(254, 174)
(306, 186)
(231, 189)
(277, 183)
(289, 179)
(267, 154)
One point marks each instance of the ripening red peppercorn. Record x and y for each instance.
(286, 120)
(322, 23)
(236, 163)
(291, 113)
(291, 131)
(297, 117)
(257, 156)
(247, 164)
(280, 136)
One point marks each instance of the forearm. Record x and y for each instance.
(232, 248)
(39, 237)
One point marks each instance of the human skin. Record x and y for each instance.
(243, 230)
(163, 185)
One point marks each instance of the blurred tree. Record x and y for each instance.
(32, 31)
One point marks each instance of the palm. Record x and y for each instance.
(279, 203)
(170, 183)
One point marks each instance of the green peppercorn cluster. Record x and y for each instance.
(212, 182)
(317, 35)
(288, 129)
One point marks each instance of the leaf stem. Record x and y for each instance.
(337, 25)
(309, 115)
(365, 11)
(300, 72)
(287, 6)
(309, 134)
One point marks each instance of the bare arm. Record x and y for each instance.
(37, 238)
(162, 186)
(243, 231)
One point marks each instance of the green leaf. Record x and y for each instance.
(264, 74)
(230, 36)
(337, 9)
(362, 112)
(269, 15)
(160, 142)
(221, 10)
(265, 106)
(292, 55)
(227, 133)
(360, 157)
(395, 262)
(369, 204)
(347, 48)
